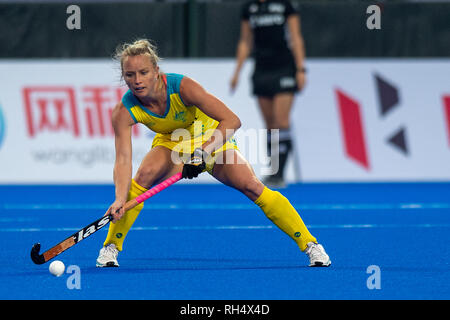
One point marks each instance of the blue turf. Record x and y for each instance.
(187, 246)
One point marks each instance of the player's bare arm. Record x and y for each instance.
(194, 94)
(122, 123)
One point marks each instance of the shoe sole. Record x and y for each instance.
(320, 264)
(107, 265)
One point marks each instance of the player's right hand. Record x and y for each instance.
(116, 210)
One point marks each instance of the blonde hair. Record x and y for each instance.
(138, 47)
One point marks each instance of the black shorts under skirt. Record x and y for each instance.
(269, 82)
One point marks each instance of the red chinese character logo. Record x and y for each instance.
(54, 109)
(99, 102)
(51, 109)
(98, 110)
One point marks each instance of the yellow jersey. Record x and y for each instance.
(182, 127)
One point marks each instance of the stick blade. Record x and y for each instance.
(35, 256)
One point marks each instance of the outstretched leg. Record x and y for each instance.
(237, 173)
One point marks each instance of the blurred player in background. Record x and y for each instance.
(272, 29)
(166, 102)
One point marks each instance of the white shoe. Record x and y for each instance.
(317, 255)
(107, 257)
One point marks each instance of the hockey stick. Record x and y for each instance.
(96, 225)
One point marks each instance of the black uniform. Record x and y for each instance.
(274, 63)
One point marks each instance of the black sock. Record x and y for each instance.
(284, 148)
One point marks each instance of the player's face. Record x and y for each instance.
(140, 74)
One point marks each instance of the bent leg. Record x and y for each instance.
(118, 230)
(237, 173)
(155, 166)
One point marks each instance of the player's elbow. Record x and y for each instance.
(236, 122)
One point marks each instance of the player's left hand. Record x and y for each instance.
(196, 164)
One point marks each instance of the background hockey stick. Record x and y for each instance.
(96, 225)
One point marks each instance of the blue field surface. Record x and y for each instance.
(209, 242)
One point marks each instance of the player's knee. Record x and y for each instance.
(252, 188)
(146, 176)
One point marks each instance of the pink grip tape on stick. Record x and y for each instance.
(158, 188)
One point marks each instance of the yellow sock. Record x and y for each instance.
(279, 210)
(118, 231)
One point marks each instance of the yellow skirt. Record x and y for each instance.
(187, 140)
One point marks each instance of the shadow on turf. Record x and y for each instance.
(186, 264)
